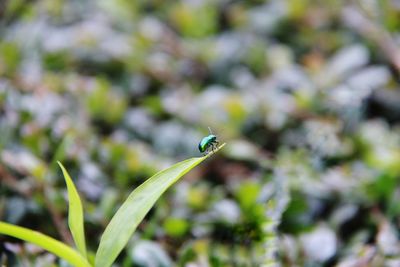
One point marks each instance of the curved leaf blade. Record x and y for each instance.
(136, 206)
(46, 242)
(75, 213)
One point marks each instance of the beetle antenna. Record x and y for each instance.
(210, 130)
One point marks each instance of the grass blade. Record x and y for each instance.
(48, 243)
(75, 213)
(134, 209)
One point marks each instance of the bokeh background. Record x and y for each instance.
(305, 93)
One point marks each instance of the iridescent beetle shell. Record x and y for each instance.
(207, 142)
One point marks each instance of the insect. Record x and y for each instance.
(208, 142)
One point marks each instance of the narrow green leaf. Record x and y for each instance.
(48, 243)
(75, 213)
(134, 209)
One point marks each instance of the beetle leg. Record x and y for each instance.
(214, 147)
(207, 151)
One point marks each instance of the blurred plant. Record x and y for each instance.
(121, 227)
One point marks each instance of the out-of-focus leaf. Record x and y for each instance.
(197, 22)
(147, 253)
(175, 226)
(10, 57)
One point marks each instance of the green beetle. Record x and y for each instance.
(208, 142)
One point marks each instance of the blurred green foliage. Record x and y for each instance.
(305, 93)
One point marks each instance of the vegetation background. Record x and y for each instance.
(305, 93)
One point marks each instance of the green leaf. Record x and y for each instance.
(134, 209)
(48, 243)
(75, 213)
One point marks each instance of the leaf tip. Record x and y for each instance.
(64, 171)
